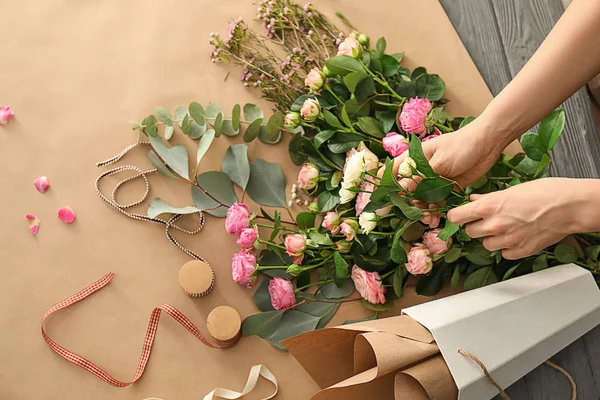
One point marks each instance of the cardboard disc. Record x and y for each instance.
(224, 324)
(196, 278)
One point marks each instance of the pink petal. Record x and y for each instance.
(66, 214)
(6, 113)
(33, 223)
(41, 184)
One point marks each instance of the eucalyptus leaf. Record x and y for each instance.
(163, 115)
(180, 113)
(197, 113)
(220, 187)
(235, 117)
(267, 183)
(252, 130)
(292, 323)
(158, 207)
(185, 124)
(377, 307)
(332, 291)
(252, 112)
(235, 164)
(197, 130)
(218, 124)
(204, 144)
(262, 134)
(261, 297)
(274, 125)
(212, 110)
(175, 157)
(151, 125)
(228, 128)
(159, 165)
(168, 132)
(263, 324)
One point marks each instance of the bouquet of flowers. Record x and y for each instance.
(369, 223)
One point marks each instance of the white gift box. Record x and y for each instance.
(511, 326)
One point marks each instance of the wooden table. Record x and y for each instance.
(501, 35)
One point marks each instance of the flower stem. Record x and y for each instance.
(271, 244)
(383, 83)
(312, 284)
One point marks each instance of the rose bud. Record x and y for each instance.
(291, 120)
(419, 260)
(350, 47)
(436, 245)
(407, 168)
(331, 222)
(395, 144)
(311, 109)
(294, 270)
(348, 228)
(294, 246)
(247, 238)
(363, 39)
(308, 177)
(343, 246)
(367, 221)
(314, 80)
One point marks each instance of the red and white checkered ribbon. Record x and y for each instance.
(148, 340)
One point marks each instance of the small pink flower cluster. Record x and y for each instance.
(238, 223)
(420, 255)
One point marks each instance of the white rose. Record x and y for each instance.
(354, 168)
(346, 195)
(407, 168)
(310, 109)
(371, 159)
(367, 222)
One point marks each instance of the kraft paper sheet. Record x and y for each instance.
(396, 358)
(75, 73)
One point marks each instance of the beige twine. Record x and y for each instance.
(502, 392)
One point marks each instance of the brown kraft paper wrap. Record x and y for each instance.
(393, 358)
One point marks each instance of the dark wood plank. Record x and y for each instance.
(523, 25)
(592, 349)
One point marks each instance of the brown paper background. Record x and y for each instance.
(75, 72)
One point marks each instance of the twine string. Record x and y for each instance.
(503, 394)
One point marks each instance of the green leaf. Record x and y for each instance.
(151, 125)
(322, 137)
(389, 65)
(431, 284)
(159, 165)
(343, 65)
(180, 113)
(212, 110)
(380, 48)
(414, 232)
(551, 127)
(331, 119)
(252, 112)
(252, 130)
(482, 277)
(292, 323)
(352, 79)
(185, 124)
(364, 89)
(478, 254)
(235, 117)
(332, 291)
(204, 144)
(565, 253)
(197, 113)
(418, 72)
(455, 280)
(466, 122)
(510, 271)
(220, 187)
(532, 146)
(371, 126)
(540, 262)
(439, 115)
(397, 252)
(341, 269)
(274, 125)
(327, 201)
(261, 297)
(452, 255)
(433, 190)
(267, 183)
(411, 212)
(135, 125)
(218, 124)
(543, 164)
(262, 134)
(415, 151)
(163, 115)
(263, 324)
(306, 220)
(449, 230)
(228, 128)
(355, 321)
(378, 307)
(157, 207)
(431, 87)
(235, 164)
(387, 120)
(196, 130)
(175, 157)
(398, 281)
(168, 132)
(398, 56)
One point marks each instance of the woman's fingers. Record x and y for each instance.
(468, 213)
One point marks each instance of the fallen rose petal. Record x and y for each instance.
(6, 113)
(41, 184)
(66, 214)
(33, 223)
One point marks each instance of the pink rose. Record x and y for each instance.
(413, 116)
(314, 80)
(395, 144)
(243, 265)
(350, 47)
(436, 133)
(434, 243)
(419, 260)
(363, 198)
(331, 222)
(410, 184)
(294, 246)
(238, 218)
(348, 228)
(282, 293)
(369, 285)
(6, 113)
(247, 238)
(308, 177)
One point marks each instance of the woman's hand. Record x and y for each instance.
(526, 218)
(464, 155)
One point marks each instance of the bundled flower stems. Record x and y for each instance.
(363, 221)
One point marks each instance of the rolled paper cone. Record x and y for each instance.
(196, 278)
(432, 375)
(224, 324)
